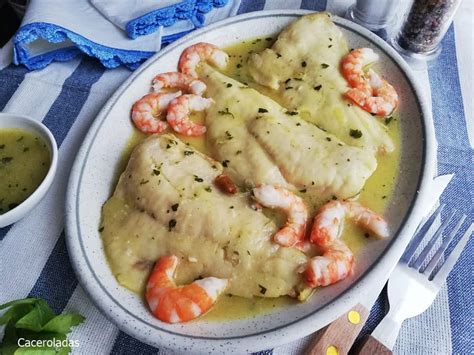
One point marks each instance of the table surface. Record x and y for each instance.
(67, 96)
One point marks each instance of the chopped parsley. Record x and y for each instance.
(208, 189)
(156, 172)
(229, 85)
(6, 160)
(239, 65)
(355, 133)
(263, 290)
(171, 224)
(318, 87)
(388, 120)
(324, 65)
(278, 55)
(262, 110)
(175, 207)
(303, 191)
(188, 152)
(228, 135)
(198, 179)
(225, 163)
(225, 112)
(303, 64)
(101, 229)
(143, 182)
(291, 113)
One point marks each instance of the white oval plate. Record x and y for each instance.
(92, 178)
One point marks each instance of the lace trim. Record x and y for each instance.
(192, 10)
(109, 57)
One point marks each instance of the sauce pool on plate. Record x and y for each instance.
(24, 163)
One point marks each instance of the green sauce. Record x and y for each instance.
(24, 162)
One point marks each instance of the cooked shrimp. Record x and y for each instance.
(200, 52)
(174, 304)
(297, 214)
(369, 90)
(146, 112)
(334, 265)
(353, 67)
(382, 101)
(177, 80)
(337, 260)
(327, 223)
(179, 110)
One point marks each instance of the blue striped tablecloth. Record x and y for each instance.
(67, 96)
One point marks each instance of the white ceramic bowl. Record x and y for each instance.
(28, 124)
(94, 174)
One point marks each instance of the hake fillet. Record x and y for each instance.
(303, 67)
(261, 142)
(166, 203)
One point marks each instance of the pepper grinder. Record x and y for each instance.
(375, 15)
(424, 27)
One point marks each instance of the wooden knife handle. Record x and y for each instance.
(371, 346)
(338, 337)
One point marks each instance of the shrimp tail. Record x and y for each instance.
(175, 304)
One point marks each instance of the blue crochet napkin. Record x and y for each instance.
(115, 32)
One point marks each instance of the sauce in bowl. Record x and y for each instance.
(24, 162)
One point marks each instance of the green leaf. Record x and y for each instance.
(15, 312)
(8, 348)
(30, 335)
(37, 318)
(35, 350)
(18, 302)
(63, 323)
(33, 319)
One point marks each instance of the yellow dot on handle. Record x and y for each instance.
(332, 350)
(354, 317)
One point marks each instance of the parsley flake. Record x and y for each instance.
(355, 133)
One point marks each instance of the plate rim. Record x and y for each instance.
(333, 308)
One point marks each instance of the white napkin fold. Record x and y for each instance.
(121, 12)
(59, 30)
